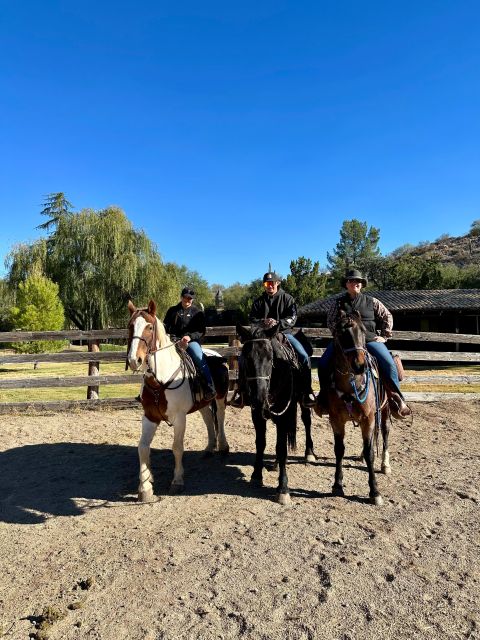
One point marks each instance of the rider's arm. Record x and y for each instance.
(332, 316)
(383, 319)
(169, 320)
(196, 327)
(257, 312)
(289, 314)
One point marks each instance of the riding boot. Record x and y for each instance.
(238, 401)
(308, 397)
(398, 406)
(209, 392)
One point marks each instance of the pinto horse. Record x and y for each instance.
(357, 396)
(273, 394)
(166, 394)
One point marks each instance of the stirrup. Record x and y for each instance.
(308, 400)
(237, 401)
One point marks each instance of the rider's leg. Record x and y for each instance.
(194, 350)
(324, 371)
(389, 374)
(308, 397)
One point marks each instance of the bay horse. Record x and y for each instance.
(167, 395)
(357, 396)
(273, 394)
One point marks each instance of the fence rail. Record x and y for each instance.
(8, 357)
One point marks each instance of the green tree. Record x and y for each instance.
(55, 207)
(6, 303)
(475, 228)
(99, 261)
(305, 282)
(406, 273)
(358, 247)
(38, 308)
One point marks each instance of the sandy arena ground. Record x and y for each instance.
(223, 560)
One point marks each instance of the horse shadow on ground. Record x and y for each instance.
(41, 481)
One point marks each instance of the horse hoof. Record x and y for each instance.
(145, 496)
(207, 454)
(256, 481)
(337, 491)
(175, 489)
(386, 469)
(311, 457)
(284, 499)
(376, 500)
(224, 451)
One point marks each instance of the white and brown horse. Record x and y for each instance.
(166, 394)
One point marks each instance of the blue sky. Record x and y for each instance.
(238, 133)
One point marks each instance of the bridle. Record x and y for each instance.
(269, 378)
(151, 351)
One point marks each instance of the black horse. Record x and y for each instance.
(273, 391)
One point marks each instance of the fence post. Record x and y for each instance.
(93, 370)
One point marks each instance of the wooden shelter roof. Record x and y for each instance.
(427, 300)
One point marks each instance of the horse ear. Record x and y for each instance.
(152, 308)
(342, 314)
(243, 333)
(131, 307)
(357, 315)
(272, 331)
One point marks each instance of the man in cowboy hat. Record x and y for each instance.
(378, 323)
(186, 323)
(277, 307)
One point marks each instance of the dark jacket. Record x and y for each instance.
(181, 322)
(280, 307)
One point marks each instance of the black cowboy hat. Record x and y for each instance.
(271, 276)
(354, 274)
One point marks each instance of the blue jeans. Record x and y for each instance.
(298, 347)
(194, 350)
(379, 350)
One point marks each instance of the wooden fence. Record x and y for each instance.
(230, 349)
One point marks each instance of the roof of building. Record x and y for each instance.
(427, 300)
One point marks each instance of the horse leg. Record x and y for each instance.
(339, 448)
(307, 422)
(179, 425)
(283, 493)
(386, 468)
(260, 443)
(209, 421)
(222, 443)
(145, 487)
(369, 456)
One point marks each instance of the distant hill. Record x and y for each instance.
(462, 251)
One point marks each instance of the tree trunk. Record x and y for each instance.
(93, 369)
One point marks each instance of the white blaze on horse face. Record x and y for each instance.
(138, 329)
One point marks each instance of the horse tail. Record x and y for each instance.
(291, 425)
(213, 409)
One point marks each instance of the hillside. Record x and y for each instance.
(462, 251)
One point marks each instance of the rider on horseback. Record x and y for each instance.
(378, 322)
(186, 324)
(276, 306)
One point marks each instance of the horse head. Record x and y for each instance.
(350, 339)
(142, 335)
(257, 363)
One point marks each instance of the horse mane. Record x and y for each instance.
(163, 338)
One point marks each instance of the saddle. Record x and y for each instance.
(216, 364)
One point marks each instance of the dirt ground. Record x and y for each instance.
(223, 560)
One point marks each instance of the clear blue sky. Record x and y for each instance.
(238, 133)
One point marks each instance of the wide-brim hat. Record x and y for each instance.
(354, 274)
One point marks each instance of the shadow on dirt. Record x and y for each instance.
(67, 479)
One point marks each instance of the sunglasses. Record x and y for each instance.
(269, 283)
(356, 280)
